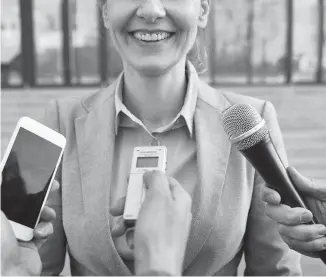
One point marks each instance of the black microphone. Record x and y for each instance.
(248, 132)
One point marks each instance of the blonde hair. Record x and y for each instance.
(197, 54)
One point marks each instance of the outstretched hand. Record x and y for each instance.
(19, 257)
(292, 222)
(159, 239)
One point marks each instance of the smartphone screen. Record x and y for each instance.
(26, 177)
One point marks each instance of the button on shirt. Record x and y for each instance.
(178, 137)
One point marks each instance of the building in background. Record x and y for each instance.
(10, 44)
(64, 43)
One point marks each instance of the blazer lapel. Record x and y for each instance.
(213, 150)
(95, 134)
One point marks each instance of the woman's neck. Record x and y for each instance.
(155, 100)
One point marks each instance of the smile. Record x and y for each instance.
(152, 37)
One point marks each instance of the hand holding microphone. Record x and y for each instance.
(249, 134)
(306, 239)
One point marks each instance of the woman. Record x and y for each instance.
(158, 99)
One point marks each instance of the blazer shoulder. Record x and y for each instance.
(237, 98)
(78, 105)
(85, 102)
(62, 112)
(221, 99)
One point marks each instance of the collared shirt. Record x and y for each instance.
(178, 136)
(124, 118)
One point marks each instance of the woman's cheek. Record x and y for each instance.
(117, 29)
(119, 15)
(185, 20)
(117, 22)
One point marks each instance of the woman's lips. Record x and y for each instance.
(151, 36)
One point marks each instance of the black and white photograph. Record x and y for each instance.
(163, 137)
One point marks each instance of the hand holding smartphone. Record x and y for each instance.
(28, 169)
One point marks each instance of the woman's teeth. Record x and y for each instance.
(151, 37)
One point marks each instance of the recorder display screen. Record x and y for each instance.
(26, 176)
(147, 162)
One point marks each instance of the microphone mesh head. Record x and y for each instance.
(239, 119)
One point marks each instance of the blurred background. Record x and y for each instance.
(271, 49)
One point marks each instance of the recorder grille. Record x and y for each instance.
(241, 118)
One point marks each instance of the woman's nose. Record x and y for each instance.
(151, 10)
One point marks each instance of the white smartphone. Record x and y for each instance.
(28, 168)
(144, 159)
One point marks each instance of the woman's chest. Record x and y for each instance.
(180, 157)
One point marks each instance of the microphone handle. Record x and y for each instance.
(265, 159)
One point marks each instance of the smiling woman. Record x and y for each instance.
(197, 54)
(181, 29)
(159, 100)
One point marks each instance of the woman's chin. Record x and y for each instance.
(153, 68)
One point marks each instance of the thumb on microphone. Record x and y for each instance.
(309, 187)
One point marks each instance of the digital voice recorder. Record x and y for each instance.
(144, 159)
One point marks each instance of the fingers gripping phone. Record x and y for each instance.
(144, 159)
(28, 169)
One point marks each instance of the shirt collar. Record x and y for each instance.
(124, 117)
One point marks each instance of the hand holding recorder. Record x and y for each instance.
(306, 239)
(160, 236)
(163, 226)
(144, 159)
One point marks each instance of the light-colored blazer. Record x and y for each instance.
(228, 215)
